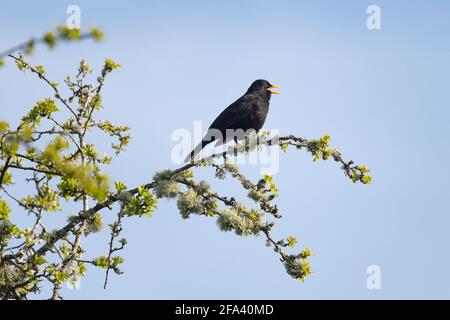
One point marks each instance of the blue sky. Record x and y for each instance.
(382, 95)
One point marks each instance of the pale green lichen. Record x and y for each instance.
(165, 185)
(297, 266)
(189, 202)
(243, 225)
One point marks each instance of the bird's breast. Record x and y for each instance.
(259, 115)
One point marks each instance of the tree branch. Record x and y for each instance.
(86, 214)
(27, 45)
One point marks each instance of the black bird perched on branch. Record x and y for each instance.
(249, 112)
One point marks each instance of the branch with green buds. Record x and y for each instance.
(53, 148)
(52, 38)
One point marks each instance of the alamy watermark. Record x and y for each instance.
(374, 20)
(374, 280)
(74, 19)
(246, 147)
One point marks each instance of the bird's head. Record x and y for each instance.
(263, 87)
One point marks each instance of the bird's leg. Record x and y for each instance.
(258, 141)
(259, 144)
(236, 146)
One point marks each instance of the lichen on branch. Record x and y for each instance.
(53, 146)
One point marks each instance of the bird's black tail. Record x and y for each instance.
(196, 150)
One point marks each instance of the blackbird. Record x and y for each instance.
(247, 113)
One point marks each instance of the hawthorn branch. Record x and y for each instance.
(117, 197)
(50, 83)
(4, 169)
(116, 228)
(54, 173)
(197, 199)
(7, 163)
(25, 46)
(66, 262)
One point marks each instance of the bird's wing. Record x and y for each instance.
(235, 113)
(230, 118)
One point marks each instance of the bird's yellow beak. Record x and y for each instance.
(274, 87)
